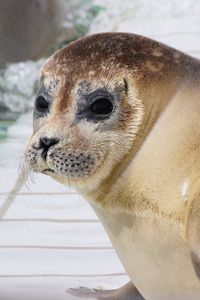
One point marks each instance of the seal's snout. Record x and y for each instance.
(45, 143)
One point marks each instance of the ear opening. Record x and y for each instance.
(193, 234)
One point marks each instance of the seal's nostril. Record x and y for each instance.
(46, 143)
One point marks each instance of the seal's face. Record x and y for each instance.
(85, 118)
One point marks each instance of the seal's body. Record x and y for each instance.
(117, 115)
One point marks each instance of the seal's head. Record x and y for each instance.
(88, 110)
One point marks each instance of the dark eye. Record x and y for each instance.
(41, 104)
(101, 106)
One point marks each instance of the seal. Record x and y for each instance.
(117, 118)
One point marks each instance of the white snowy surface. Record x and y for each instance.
(50, 239)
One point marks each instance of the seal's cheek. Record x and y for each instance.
(193, 234)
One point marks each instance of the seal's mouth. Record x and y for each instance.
(48, 171)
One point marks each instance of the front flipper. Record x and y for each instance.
(127, 292)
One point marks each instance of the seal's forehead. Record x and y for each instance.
(110, 49)
(84, 56)
(111, 55)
